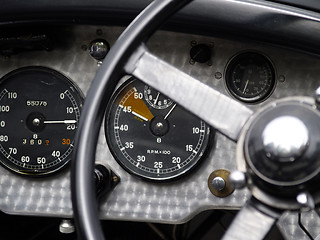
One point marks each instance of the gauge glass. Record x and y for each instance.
(156, 144)
(250, 77)
(39, 114)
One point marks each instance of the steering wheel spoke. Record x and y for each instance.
(253, 222)
(200, 99)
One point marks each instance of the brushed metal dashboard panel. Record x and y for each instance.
(135, 199)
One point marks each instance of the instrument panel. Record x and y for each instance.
(143, 195)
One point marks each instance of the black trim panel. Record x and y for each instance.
(255, 19)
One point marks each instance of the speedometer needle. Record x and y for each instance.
(60, 121)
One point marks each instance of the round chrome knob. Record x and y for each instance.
(238, 179)
(285, 139)
(218, 183)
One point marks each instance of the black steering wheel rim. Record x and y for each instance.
(82, 183)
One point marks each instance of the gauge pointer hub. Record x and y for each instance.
(159, 126)
(35, 122)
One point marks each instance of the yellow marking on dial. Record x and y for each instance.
(138, 107)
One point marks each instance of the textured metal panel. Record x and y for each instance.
(135, 199)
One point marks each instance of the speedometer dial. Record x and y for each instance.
(39, 114)
(153, 143)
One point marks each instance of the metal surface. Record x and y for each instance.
(134, 199)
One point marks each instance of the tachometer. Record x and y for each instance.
(153, 143)
(39, 114)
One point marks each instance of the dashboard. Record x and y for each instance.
(172, 189)
(135, 198)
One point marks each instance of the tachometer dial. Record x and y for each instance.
(153, 143)
(39, 114)
(250, 77)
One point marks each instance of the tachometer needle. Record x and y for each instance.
(170, 111)
(60, 121)
(140, 116)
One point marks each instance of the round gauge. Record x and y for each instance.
(39, 114)
(250, 77)
(153, 143)
(156, 99)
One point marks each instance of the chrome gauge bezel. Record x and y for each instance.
(269, 84)
(60, 158)
(129, 164)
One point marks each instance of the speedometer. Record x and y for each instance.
(39, 114)
(155, 143)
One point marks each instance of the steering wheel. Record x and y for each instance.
(277, 146)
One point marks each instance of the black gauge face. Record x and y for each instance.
(153, 143)
(155, 99)
(250, 77)
(39, 114)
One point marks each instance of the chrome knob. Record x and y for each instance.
(238, 179)
(218, 183)
(98, 49)
(285, 139)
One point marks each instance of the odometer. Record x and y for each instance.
(39, 114)
(153, 143)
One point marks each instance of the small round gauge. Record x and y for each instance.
(250, 77)
(156, 99)
(39, 114)
(153, 143)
